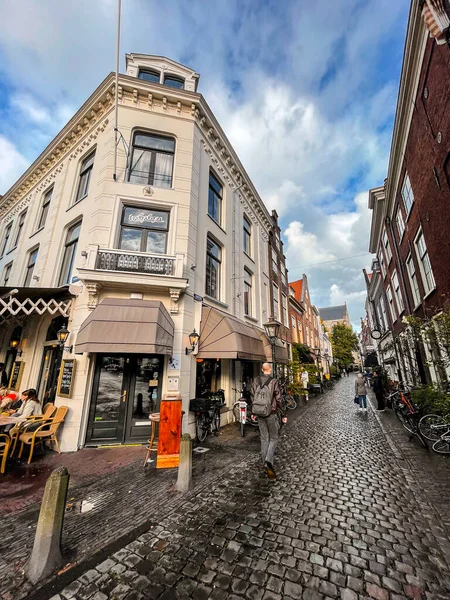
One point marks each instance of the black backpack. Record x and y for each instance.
(262, 400)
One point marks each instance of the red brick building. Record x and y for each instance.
(411, 212)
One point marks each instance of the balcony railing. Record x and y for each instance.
(119, 260)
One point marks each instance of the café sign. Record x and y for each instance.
(148, 219)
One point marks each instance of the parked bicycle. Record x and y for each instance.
(207, 413)
(288, 396)
(436, 429)
(407, 413)
(242, 411)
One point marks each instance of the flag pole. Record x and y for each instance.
(116, 99)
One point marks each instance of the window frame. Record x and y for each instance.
(212, 257)
(413, 280)
(248, 293)
(82, 171)
(381, 260)
(177, 78)
(154, 154)
(276, 301)
(284, 310)
(247, 233)
(6, 237)
(408, 198)
(45, 204)
(391, 303)
(20, 227)
(423, 273)
(29, 270)
(397, 292)
(386, 246)
(143, 230)
(62, 281)
(149, 71)
(384, 313)
(212, 192)
(7, 272)
(399, 218)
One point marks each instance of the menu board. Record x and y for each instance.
(66, 376)
(16, 376)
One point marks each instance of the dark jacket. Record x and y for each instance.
(274, 387)
(377, 385)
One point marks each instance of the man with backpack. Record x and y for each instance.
(266, 402)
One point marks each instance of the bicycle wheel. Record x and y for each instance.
(404, 420)
(430, 427)
(291, 403)
(442, 445)
(216, 420)
(418, 433)
(201, 428)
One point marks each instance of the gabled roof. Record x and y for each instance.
(297, 286)
(333, 313)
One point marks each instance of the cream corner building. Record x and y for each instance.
(132, 261)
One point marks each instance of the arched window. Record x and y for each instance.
(148, 75)
(174, 82)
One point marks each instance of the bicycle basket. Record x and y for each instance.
(199, 404)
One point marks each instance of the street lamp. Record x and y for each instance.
(193, 340)
(272, 329)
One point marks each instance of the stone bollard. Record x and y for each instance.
(184, 480)
(46, 556)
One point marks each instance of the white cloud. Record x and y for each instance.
(12, 162)
(30, 109)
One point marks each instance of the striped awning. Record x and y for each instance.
(436, 14)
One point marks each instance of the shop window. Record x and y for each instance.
(208, 376)
(70, 249)
(144, 230)
(152, 160)
(213, 267)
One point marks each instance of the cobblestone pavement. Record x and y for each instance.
(343, 520)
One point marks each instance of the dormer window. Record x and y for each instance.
(148, 75)
(174, 82)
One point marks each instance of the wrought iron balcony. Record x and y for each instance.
(120, 260)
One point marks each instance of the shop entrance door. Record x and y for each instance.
(48, 381)
(126, 389)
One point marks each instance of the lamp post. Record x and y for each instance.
(193, 340)
(272, 329)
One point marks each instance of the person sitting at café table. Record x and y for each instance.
(9, 400)
(30, 405)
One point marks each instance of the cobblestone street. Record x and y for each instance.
(343, 520)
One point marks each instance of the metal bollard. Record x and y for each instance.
(46, 556)
(184, 480)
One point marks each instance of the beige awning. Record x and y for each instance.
(121, 325)
(224, 336)
(281, 351)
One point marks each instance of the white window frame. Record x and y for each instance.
(248, 289)
(44, 208)
(380, 317)
(384, 313)
(413, 281)
(428, 281)
(276, 301)
(6, 275)
(381, 261)
(400, 224)
(397, 292)
(391, 303)
(407, 194)
(386, 245)
(293, 323)
(284, 310)
(6, 241)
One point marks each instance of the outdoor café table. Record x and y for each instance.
(10, 421)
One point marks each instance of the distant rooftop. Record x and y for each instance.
(333, 313)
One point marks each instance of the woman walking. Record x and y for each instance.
(361, 391)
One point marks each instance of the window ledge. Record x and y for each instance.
(429, 293)
(12, 250)
(410, 211)
(250, 318)
(216, 223)
(76, 203)
(37, 231)
(218, 302)
(249, 257)
(144, 185)
(417, 306)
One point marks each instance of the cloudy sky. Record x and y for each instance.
(306, 92)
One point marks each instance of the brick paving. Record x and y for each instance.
(345, 519)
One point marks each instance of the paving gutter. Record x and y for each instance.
(407, 467)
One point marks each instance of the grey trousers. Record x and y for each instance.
(268, 428)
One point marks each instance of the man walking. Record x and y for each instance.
(377, 386)
(266, 401)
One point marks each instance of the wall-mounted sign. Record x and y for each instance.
(153, 383)
(148, 219)
(16, 376)
(66, 376)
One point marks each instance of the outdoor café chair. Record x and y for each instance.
(5, 443)
(14, 433)
(46, 431)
